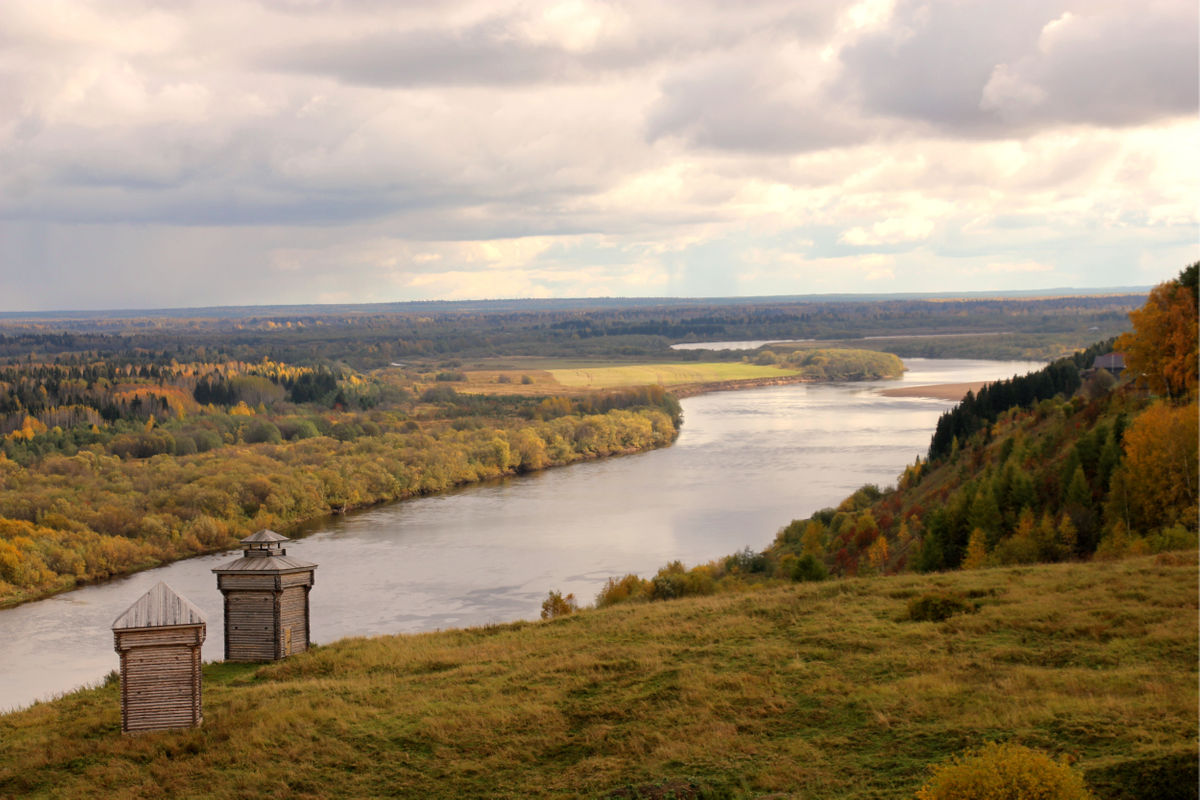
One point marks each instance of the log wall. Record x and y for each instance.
(266, 615)
(293, 620)
(250, 626)
(160, 678)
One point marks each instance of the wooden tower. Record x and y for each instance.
(266, 600)
(158, 639)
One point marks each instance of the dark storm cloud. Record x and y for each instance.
(980, 69)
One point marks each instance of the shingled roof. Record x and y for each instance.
(265, 535)
(264, 564)
(159, 607)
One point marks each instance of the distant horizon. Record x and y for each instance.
(561, 302)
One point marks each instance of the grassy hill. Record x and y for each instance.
(821, 690)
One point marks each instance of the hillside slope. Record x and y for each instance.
(812, 690)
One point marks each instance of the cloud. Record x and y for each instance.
(1000, 69)
(1114, 65)
(888, 231)
(290, 151)
(480, 55)
(749, 102)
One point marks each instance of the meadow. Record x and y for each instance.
(607, 377)
(802, 690)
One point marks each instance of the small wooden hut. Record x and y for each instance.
(159, 639)
(266, 600)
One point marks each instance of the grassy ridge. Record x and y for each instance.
(813, 690)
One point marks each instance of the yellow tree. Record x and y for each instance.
(877, 553)
(1159, 474)
(1161, 350)
(812, 541)
(976, 555)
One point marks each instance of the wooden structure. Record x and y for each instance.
(158, 639)
(1113, 362)
(266, 600)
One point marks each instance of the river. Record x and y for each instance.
(745, 464)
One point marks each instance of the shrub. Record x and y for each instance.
(439, 394)
(1004, 772)
(621, 590)
(809, 568)
(262, 432)
(937, 606)
(207, 440)
(555, 605)
(746, 561)
(293, 429)
(1175, 537)
(673, 581)
(141, 445)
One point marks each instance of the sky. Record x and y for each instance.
(182, 154)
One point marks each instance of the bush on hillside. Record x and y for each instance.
(808, 568)
(556, 605)
(621, 590)
(937, 606)
(1004, 772)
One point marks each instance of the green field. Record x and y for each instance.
(664, 374)
(819, 690)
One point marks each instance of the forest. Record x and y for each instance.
(369, 337)
(1067, 463)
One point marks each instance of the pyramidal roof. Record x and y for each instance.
(271, 564)
(265, 535)
(159, 607)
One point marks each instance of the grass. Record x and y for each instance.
(814, 690)
(664, 374)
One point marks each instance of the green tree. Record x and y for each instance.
(985, 514)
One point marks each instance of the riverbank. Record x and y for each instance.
(825, 690)
(941, 391)
(91, 517)
(694, 389)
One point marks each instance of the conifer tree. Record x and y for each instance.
(977, 552)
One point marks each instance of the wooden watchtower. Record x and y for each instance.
(266, 600)
(158, 639)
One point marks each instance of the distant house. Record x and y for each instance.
(1113, 362)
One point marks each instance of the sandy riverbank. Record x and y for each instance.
(942, 391)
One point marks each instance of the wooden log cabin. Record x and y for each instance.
(159, 639)
(266, 600)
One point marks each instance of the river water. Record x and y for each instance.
(745, 464)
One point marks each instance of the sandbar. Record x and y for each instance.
(942, 391)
